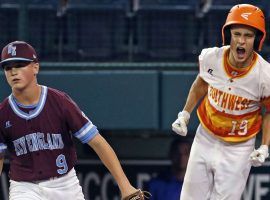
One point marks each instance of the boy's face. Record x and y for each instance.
(242, 44)
(20, 75)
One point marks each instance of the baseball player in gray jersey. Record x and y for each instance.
(37, 127)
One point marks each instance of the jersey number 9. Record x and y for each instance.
(62, 164)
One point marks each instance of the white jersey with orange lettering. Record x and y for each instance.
(230, 116)
(232, 108)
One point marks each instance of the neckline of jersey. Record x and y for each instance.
(239, 72)
(39, 106)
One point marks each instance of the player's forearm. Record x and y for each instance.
(1, 164)
(266, 129)
(110, 160)
(197, 91)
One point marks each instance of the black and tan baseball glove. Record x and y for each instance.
(138, 195)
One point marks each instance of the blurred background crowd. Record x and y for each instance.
(117, 30)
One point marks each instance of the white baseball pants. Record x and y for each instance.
(66, 187)
(216, 170)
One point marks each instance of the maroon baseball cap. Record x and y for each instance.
(18, 51)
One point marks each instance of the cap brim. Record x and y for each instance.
(14, 60)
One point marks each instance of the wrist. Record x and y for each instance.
(264, 149)
(264, 146)
(185, 114)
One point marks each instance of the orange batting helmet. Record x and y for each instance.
(249, 15)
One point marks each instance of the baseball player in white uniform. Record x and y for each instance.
(233, 85)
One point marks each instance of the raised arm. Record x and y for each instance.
(266, 129)
(197, 91)
(1, 163)
(258, 156)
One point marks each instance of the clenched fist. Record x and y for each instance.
(258, 156)
(179, 126)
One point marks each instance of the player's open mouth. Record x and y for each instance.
(240, 52)
(15, 80)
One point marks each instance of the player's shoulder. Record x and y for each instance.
(213, 52)
(57, 97)
(265, 65)
(4, 103)
(56, 93)
(3, 107)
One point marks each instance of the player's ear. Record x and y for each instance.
(36, 68)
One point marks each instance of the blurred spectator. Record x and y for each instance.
(167, 185)
(62, 21)
(201, 37)
(62, 8)
(202, 8)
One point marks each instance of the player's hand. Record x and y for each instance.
(138, 195)
(179, 126)
(258, 156)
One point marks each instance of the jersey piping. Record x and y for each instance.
(234, 72)
(36, 111)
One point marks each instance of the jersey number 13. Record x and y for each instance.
(239, 128)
